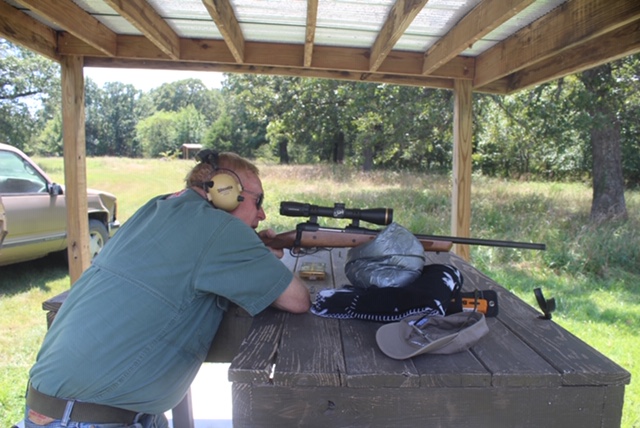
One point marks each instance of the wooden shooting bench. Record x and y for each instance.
(305, 370)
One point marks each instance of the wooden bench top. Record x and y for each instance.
(290, 358)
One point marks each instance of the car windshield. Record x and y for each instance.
(17, 176)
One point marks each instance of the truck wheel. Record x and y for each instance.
(98, 237)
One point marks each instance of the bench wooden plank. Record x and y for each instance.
(366, 365)
(579, 363)
(257, 354)
(576, 361)
(511, 362)
(320, 363)
(54, 303)
(266, 406)
(460, 370)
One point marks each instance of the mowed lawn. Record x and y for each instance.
(593, 271)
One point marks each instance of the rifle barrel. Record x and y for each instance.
(486, 242)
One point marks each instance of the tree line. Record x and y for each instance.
(571, 129)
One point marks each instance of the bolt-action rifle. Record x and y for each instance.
(311, 235)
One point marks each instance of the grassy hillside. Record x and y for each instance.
(593, 272)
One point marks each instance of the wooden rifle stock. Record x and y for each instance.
(311, 236)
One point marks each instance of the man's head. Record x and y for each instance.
(233, 169)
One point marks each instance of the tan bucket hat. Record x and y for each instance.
(422, 334)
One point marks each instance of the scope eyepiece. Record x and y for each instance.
(381, 216)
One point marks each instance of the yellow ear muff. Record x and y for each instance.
(225, 192)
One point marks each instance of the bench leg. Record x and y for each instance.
(183, 413)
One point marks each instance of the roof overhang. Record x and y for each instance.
(500, 46)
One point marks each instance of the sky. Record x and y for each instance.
(145, 80)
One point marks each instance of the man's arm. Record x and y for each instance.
(295, 298)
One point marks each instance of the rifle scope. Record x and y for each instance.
(381, 216)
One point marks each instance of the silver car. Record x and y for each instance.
(33, 212)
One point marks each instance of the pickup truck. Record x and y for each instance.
(33, 212)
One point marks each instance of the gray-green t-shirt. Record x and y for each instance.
(137, 325)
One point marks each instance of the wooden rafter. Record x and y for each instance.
(310, 34)
(225, 18)
(75, 20)
(400, 17)
(483, 19)
(622, 42)
(567, 26)
(142, 16)
(22, 29)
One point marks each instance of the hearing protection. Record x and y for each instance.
(225, 188)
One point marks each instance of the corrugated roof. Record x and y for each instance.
(501, 45)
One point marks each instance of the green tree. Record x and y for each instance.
(248, 104)
(111, 117)
(177, 95)
(157, 133)
(49, 142)
(27, 81)
(119, 113)
(317, 122)
(537, 133)
(220, 135)
(400, 126)
(190, 126)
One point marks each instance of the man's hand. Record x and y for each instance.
(270, 233)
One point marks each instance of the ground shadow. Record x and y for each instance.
(21, 277)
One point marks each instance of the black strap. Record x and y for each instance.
(54, 407)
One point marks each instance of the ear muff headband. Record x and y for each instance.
(224, 191)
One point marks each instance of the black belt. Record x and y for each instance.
(82, 412)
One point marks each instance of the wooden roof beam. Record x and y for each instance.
(142, 16)
(393, 79)
(565, 27)
(225, 18)
(312, 18)
(20, 28)
(139, 48)
(483, 19)
(618, 44)
(71, 17)
(400, 17)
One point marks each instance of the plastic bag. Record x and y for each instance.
(393, 259)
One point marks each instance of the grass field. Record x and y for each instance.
(593, 271)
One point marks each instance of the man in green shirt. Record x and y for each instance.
(135, 328)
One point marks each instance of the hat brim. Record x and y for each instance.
(447, 335)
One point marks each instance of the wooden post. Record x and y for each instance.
(75, 168)
(461, 196)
